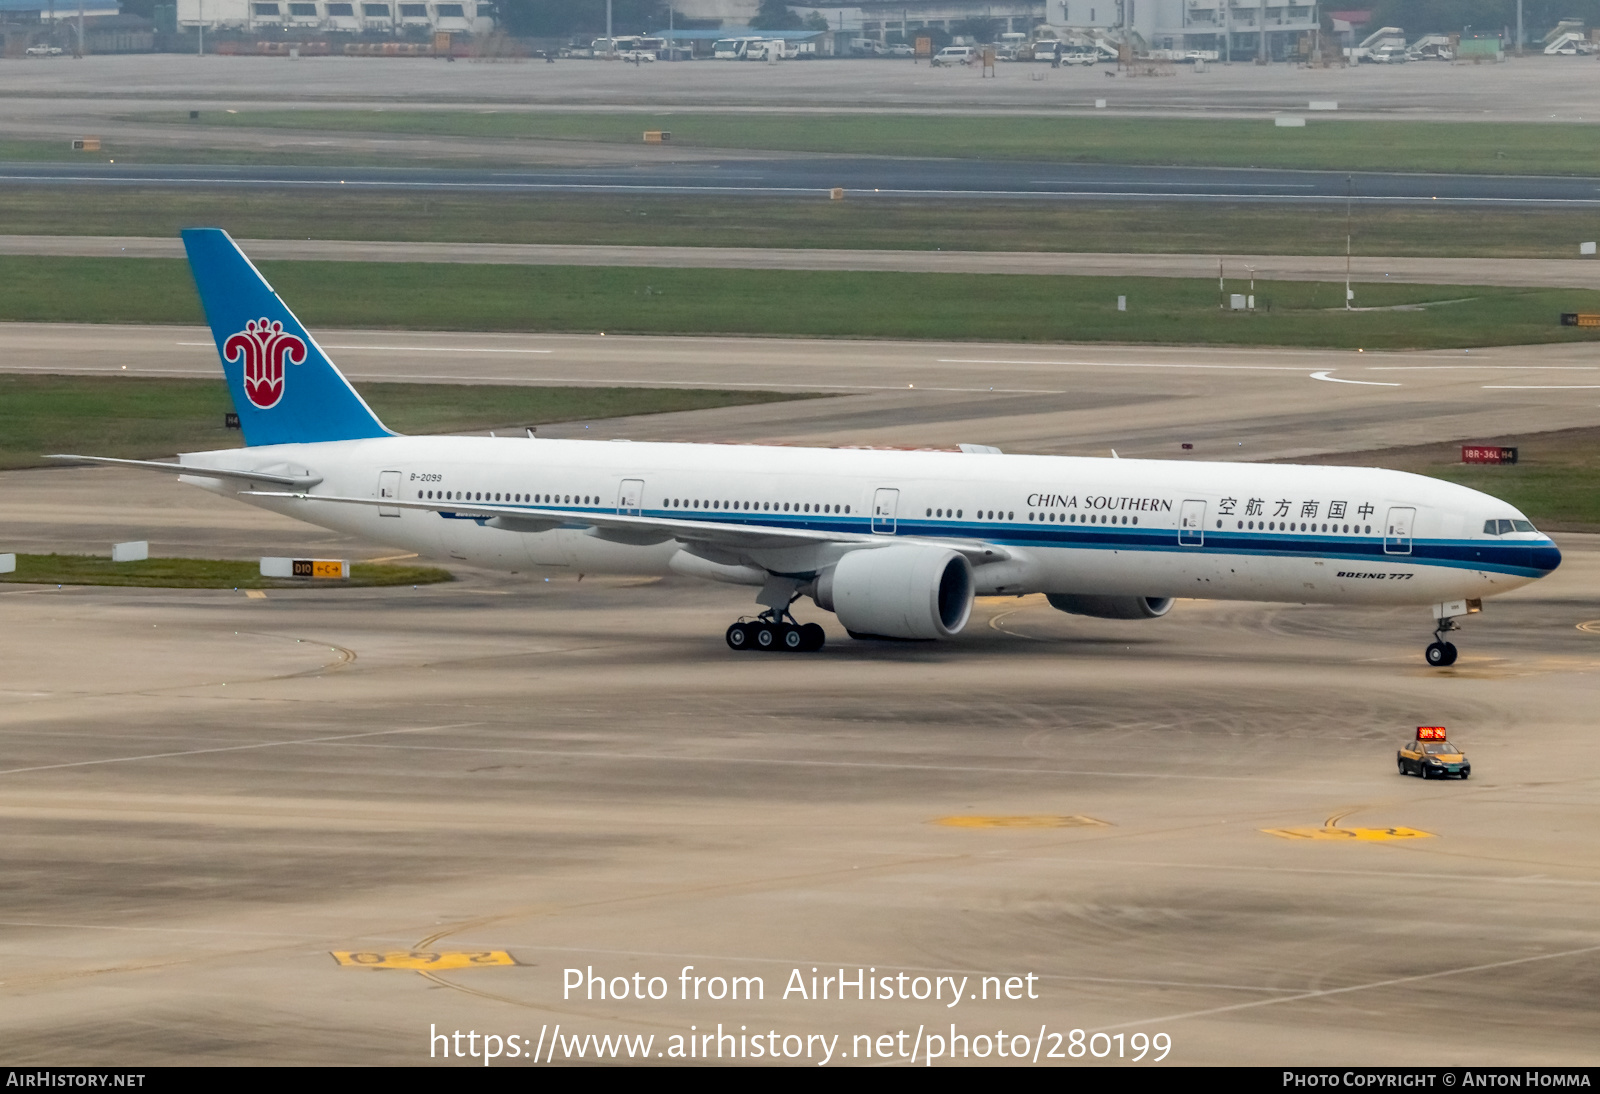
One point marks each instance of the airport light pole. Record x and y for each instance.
(1349, 192)
(611, 43)
(1519, 28)
(79, 54)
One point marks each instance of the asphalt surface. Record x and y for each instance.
(100, 90)
(1228, 402)
(1528, 272)
(208, 795)
(861, 177)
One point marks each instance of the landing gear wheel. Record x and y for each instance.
(1449, 653)
(764, 636)
(812, 636)
(1437, 654)
(738, 637)
(791, 638)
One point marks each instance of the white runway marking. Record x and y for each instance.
(861, 764)
(1323, 375)
(233, 748)
(1116, 364)
(1540, 387)
(1326, 992)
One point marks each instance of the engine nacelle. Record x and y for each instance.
(899, 592)
(1112, 607)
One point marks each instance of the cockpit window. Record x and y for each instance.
(1522, 525)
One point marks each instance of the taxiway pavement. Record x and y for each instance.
(1522, 272)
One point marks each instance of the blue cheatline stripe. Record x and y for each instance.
(1461, 554)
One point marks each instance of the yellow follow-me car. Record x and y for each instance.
(1432, 756)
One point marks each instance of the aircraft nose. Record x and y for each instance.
(1546, 556)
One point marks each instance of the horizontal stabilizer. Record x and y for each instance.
(302, 481)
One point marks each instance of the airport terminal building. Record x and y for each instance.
(1231, 27)
(348, 16)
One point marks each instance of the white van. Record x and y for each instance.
(953, 55)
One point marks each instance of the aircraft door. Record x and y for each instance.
(388, 487)
(1191, 523)
(884, 503)
(1397, 531)
(630, 498)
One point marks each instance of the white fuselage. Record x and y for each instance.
(1150, 528)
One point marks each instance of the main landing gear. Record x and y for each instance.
(1441, 654)
(776, 629)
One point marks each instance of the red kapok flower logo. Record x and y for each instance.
(263, 348)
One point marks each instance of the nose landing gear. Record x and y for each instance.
(1442, 654)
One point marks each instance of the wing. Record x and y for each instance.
(645, 530)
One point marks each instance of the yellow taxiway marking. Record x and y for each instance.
(1369, 834)
(1592, 626)
(422, 959)
(255, 594)
(1039, 821)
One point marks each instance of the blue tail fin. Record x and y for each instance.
(284, 387)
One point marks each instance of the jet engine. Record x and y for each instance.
(899, 592)
(1112, 607)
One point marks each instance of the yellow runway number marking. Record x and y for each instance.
(422, 959)
(255, 594)
(1037, 821)
(1347, 834)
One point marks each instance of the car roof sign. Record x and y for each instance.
(1430, 733)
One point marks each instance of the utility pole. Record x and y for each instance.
(611, 43)
(79, 54)
(201, 52)
(1519, 28)
(1349, 192)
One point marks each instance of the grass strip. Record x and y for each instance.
(1494, 148)
(202, 573)
(137, 418)
(1114, 227)
(805, 303)
(1555, 481)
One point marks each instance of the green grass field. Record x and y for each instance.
(1470, 147)
(137, 418)
(202, 573)
(1138, 227)
(1556, 480)
(1015, 308)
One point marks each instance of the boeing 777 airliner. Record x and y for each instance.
(894, 543)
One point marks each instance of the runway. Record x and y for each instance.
(862, 177)
(1528, 272)
(1228, 402)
